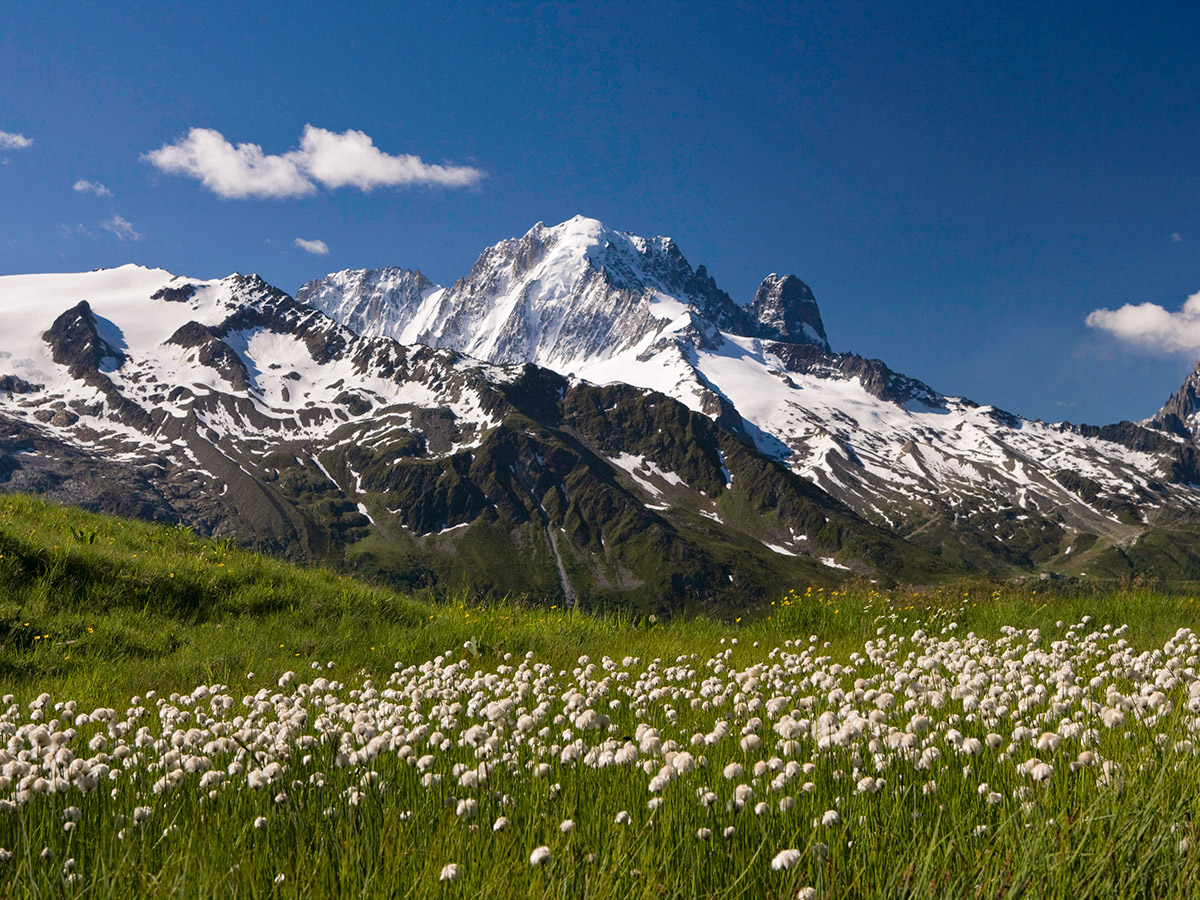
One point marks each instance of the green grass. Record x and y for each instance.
(99, 611)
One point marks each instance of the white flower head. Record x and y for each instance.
(785, 859)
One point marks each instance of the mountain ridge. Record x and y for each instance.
(888, 445)
(624, 444)
(231, 407)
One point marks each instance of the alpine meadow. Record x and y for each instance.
(622, 451)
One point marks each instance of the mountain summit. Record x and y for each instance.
(565, 296)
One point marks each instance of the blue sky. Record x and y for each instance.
(961, 184)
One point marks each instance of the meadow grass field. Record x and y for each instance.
(182, 718)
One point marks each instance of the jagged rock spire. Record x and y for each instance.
(1178, 413)
(785, 309)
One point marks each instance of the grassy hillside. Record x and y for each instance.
(183, 718)
(102, 604)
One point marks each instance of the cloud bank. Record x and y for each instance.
(1150, 325)
(317, 248)
(92, 187)
(349, 159)
(10, 141)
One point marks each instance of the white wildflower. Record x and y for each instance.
(785, 859)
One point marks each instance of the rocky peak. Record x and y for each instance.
(786, 310)
(213, 352)
(563, 295)
(1179, 413)
(716, 305)
(75, 342)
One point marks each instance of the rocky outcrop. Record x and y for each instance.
(213, 352)
(1179, 413)
(75, 342)
(786, 310)
(873, 374)
(11, 384)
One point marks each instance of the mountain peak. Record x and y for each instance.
(1181, 411)
(564, 295)
(785, 308)
(576, 225)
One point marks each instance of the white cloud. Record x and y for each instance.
(351, 158)
(92, 187)
(10, 141)
(335, 160)
(1150, 325)
(1176, 237)
(317, 248)
(121, 228)
(229, 171)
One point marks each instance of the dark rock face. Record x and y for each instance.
(11, 384)
(35, 463)
(76, 343)
(175, 294)
(715, 305)
(786, 310)
(879, 380)
(1178, 411)
(213, 352)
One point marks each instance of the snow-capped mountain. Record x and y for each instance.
(582, 416)
(610, 307)
(230, 406)
(562, 297)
